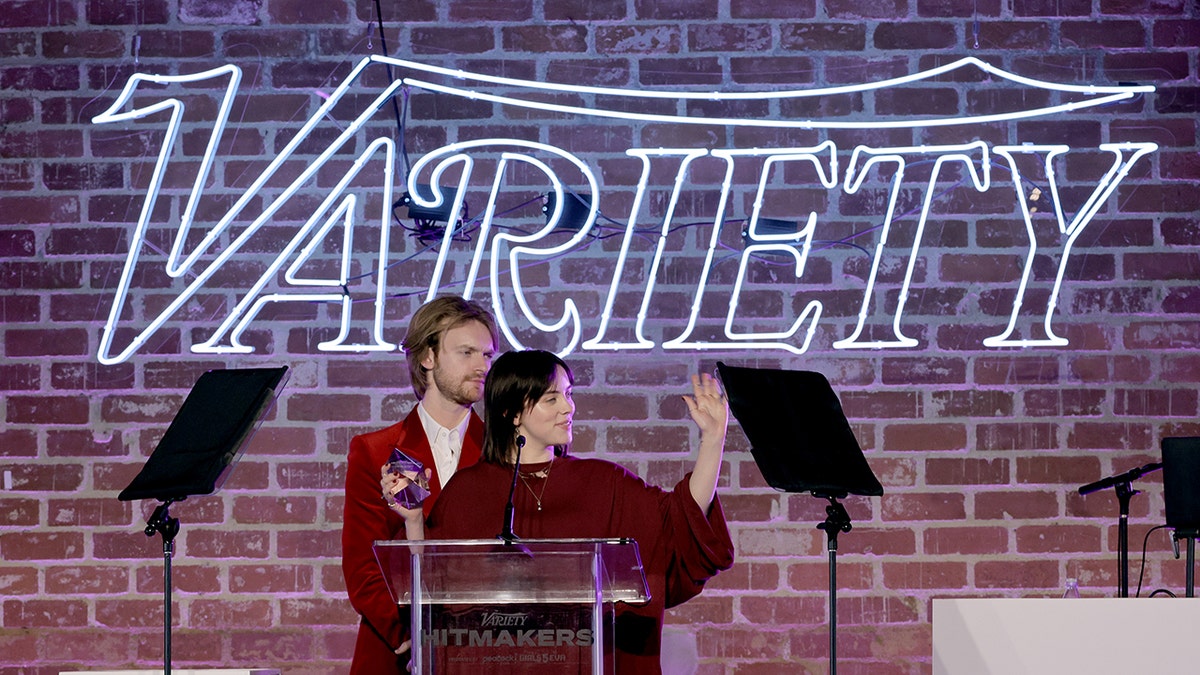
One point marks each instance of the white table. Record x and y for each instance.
(1053, 636)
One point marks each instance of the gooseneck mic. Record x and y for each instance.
(506, 533)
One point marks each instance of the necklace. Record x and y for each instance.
(544, 474)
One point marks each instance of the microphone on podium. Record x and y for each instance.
(506, 532)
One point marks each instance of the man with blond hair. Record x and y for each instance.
(449, 348)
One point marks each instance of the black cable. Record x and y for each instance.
(1142, 573)
(384, 47)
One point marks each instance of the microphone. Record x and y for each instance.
(506, 533)
(1128, 476)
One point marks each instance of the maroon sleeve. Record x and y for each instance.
(367, 518)
(700, 542)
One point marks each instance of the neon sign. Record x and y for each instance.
(195, 258)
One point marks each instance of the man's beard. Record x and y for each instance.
(462, 393)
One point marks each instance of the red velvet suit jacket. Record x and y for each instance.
(367, 519)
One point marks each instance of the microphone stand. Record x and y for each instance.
(506, 532)
(1125, 492)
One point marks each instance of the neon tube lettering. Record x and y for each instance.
(1027, 326)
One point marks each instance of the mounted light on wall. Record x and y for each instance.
(770, 229)
(429, 221)
(574, 211)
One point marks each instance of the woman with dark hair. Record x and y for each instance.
(681, 533)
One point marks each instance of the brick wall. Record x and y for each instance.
(980, 449)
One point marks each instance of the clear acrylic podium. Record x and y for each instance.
(531, 606)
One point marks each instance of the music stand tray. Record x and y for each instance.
(801, 442)
(798, 434)
(198, 452)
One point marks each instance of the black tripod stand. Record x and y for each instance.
(197, 453)
(802, 442)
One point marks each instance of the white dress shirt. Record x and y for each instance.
(446, 444)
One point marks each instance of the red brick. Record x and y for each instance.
(966, 471)
(203, 543)
(130, 613)
(315, 612)
(1017, 505)
(1057, 470)
(87, 512)
(42, 545)
(270, 578)
(298, 12)
(652, 439)
(966, 541)
(1109, 436)
(544, 38)
(45, 275)
(127, 545)
(19, 581)
(47, 409)
(40, 78)
(274, 510)
(1057, 538)
(94, 580)
(878, 541)
(877, 9)
(881, 404)
(919, 576)
(227, 614)
(730, 38)
(44, 613)
(1059, 402)
(40, 14)
(1110, 34)
(973, 403)
(326, 543)
(18, 443)
(18, 512)
(927, 506)
(185, 579)
(775, 610)
(1025, 575)
(1175, 32)
(925, 437)
(272, 646)
(311, 476)
(463, 40)
(1051, 8)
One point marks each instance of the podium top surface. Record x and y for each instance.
(177, 671)
(490, 571)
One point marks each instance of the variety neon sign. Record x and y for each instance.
(375, 164)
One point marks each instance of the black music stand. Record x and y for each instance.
(801, 442)
(1181, 497)
(198, 452)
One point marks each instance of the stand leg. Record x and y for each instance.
(1191, 568)
(833, 610)
(1125, 492)
(168, 552)
(836, 520)
(161, 522)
